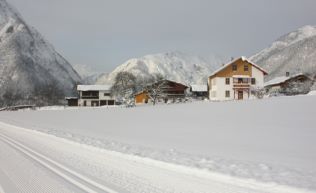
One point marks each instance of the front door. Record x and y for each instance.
(240, 95)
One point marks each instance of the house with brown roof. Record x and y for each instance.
(161, 91)
(235, 80)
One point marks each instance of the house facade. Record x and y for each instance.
(92, 96)
(235, 80)
(95, 95)
(164, 90)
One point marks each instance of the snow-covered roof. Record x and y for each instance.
(70, 98)
(94, 87)
(199, 88)
(277, 80)
(280, 80)
(244, 59)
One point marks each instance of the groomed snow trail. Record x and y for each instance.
(67, 174)
(59, 165)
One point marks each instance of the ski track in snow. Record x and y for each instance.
(69, 175)
(93, 169)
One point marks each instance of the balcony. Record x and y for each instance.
(89, 95)
(241, 82)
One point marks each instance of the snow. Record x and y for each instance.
(266, 141)
(59, 165)
(68, 98)
(199, 88)
(85, 70)
(94, 87)
(313, 92)
(30, 67)
(293, 52)
(176, 66)
(279, 80)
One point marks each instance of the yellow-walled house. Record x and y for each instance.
(235, 80)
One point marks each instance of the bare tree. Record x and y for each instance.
(156, 91)
(258, 92)
(153, 86)
(124, 86)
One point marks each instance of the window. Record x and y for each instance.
(84, 103)
(234, 67)
(106, 94)
(253, 81)
(227, 81)
(227, 94)
(246, 67)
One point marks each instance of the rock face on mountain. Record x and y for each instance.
(294, 53)
(31, 71)
(175, 66)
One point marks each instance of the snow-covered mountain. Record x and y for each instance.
(176, 66)
(87, 73)
(31, 71)
(294, 53)
(84, 70)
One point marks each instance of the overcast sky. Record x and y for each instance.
(105, 33)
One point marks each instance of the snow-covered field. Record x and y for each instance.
(249, 146)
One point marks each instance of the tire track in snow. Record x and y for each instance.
(69, 175)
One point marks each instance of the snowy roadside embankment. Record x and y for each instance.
(269, 140)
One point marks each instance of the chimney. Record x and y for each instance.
(287, 74)
(232, 58)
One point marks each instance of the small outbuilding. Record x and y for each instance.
(72, 101)
(199, 91)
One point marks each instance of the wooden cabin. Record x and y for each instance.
(167, 91)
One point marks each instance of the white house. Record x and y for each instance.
(235, 80)
(95, 95)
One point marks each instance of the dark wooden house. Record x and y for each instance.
(162, 91)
